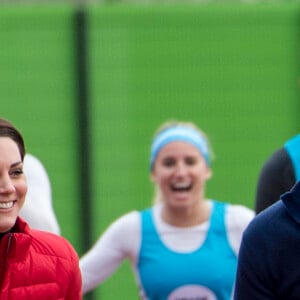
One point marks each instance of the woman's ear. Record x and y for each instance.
(209, 173)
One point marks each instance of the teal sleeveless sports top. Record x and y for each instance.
(207, 273)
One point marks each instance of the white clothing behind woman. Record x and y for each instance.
(38, 210)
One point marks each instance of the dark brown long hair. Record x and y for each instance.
(7, 129)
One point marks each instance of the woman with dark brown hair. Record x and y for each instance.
(33, 264)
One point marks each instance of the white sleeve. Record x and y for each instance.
(37, 209)
(237, 219)
(121, 240)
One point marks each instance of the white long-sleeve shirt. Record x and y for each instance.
(122, 240)
(38, 209)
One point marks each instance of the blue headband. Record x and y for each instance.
(179, 133)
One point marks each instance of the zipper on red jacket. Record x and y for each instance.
(8, 245)
(9, 239)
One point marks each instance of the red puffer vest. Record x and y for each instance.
(38, 265)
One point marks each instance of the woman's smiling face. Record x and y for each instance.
(13, 186)
(180, 172)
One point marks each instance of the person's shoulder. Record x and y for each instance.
(277, 160)
(270, 212)
(48, 238)
(236, 211)
(128, 217)
(52, 244)
(268, 221)
(128, 222)
(239, 209)
(239, 216)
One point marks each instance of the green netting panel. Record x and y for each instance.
(233, 69)
(37, 92)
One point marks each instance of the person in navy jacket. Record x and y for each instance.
(269, 257)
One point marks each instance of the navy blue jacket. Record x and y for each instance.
(269, 257)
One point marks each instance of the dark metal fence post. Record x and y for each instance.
(84, 143)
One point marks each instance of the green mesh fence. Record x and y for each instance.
(232, 69)
(38, 95)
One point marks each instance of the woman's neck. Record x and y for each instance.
(186, 217)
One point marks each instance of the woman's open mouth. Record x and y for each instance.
(7, 205)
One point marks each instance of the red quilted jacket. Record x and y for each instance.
(37, 265)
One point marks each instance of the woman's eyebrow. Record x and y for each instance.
(16, 164)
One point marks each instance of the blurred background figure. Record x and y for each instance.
(38, 208)
(278, 174)
(186, 245)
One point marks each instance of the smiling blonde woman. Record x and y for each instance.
(185, 246)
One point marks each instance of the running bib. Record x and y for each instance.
(194, 292)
